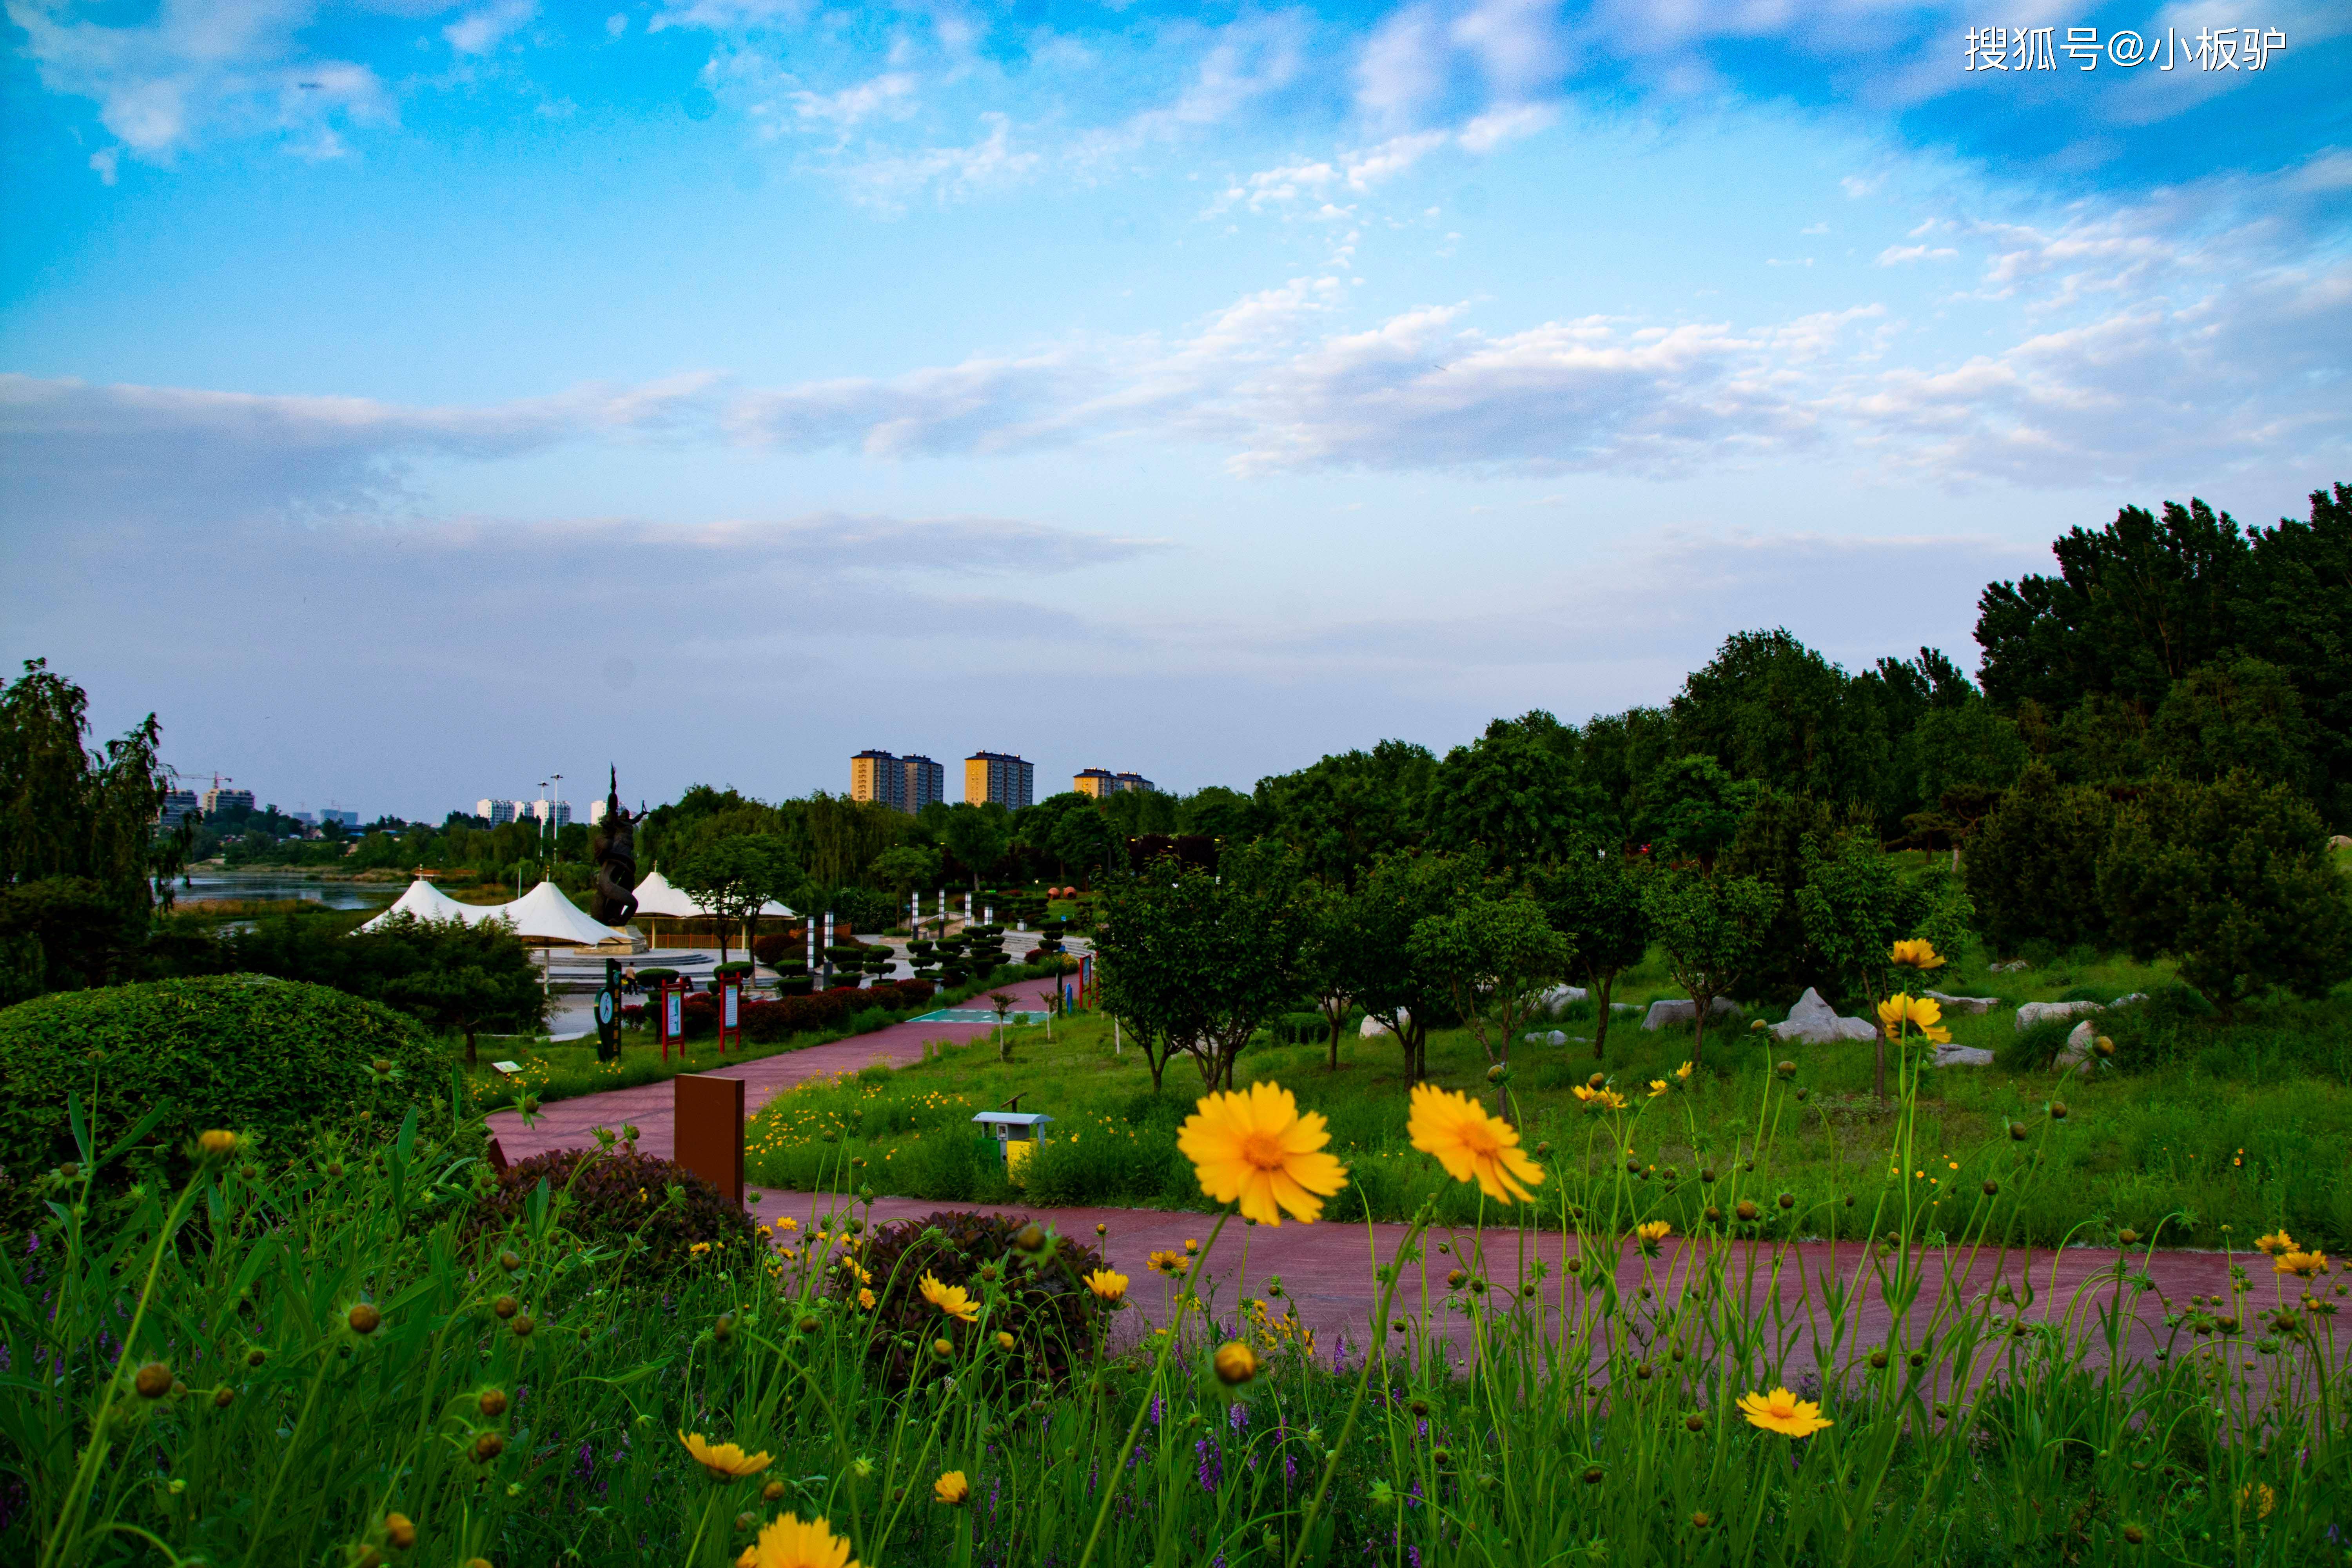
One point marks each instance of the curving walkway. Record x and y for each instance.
(1328, 1269)
(566, 1123)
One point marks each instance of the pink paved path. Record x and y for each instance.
(566, 1123)
(1326, 1270)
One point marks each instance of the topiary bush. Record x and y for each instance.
(275, 1059)
(621, 1199)
(1039, 1297)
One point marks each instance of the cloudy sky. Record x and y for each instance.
(406, 401)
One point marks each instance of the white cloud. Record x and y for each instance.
(1896, 254)
(200, 69)
(483, 30)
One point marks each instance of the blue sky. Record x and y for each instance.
(408, 400)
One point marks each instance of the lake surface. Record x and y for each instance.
(262, 885)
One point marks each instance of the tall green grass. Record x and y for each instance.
(270, 1364)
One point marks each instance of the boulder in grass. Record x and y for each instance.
(2075, 1056)
(1550, 1004)
(2031, 1013)
(1963, 1056)
(1966, 1004)
(1814, 1022)
(1685, 1010)
(1371, 1028)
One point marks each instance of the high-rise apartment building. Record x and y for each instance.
(218, 799)
(1000, 777)
(178, 806)
(498, 813)
(547, 812)
(1100, 782)
(909, 784)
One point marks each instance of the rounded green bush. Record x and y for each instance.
(274, 1059)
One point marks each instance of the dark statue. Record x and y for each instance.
(616, 862)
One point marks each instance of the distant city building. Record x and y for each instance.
(1100, 782)
(217, 800)
(873, 775)
(498, 812)
(328, 814)
(906, 784)
(559, 812)
(595, 811)
(1000, 777)
(178, 806)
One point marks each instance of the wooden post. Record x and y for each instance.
(707, 1123)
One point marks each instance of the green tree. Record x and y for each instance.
(1378, 966)
(733, 878)
(1593, 898)
(1514, 792)
(1496, 957)
(1347, 811)
(2234, 880)
(977, 836)
(2032, 866)
(907, 867)
(1696, 807)
(1851, 906)
(1712, 931)
(1201, 960)
(1217, 812)
(2297, 615)
(1769, 708)
(1771, 847)
(1087, 841)
(2135, 606)
(2233, 714)
(82, 823)
(1323, 967)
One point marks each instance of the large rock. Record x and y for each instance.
(2031, 1013)
(1544, 1037)
(2339, 841)
(1815, 1022)
(1684, 1011)
(2075, 1055)
(1966, 1004)
(1371, 1028)
(1550, 1003)
(1963, 1056)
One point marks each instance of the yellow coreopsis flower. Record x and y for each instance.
(1603, 1099)
(2302, 1264)
(1916, 954)
(1782, 1412)
(2278, 1241)
(1107, 1285)
(1235, 1362)
(866, 1300)
(1258, 1147)
(951, 1489)
(1171, 1264)
(1471, 1144)
(952, 1299)
(1650, 1234)
(1657, 1087)
(1925, 1014)
(1684, 1072)
(725, 1461)
(787, 1543)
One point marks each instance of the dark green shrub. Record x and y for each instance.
(2034, 864)
(2034, 1049)
(275, 1059)
(1040, 1299)
(622, 1200)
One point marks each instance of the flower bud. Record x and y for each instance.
(364, 1319)
(400, 1531)
(152, 1381)
(493, 1403)
(1235, 1362)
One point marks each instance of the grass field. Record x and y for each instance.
(2192, 1128)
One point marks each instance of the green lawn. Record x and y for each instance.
(2197, 1128)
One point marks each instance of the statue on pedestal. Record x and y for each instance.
(615, 848)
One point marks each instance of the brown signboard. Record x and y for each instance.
(708, 1121)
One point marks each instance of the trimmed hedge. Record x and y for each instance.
(277, 1060)
(765, 1023)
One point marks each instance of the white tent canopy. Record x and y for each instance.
(544, 914)
(658, 896)
(427, 903)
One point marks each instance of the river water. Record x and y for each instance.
(264, 885)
